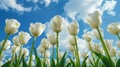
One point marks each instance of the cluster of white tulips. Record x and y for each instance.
(101, 54)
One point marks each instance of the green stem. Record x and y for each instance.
(118, 36)
(19, 56)
(104, 45)
(32, 48)
(44, 58)
(57, 49)
(92, 52)
(3, 44)
(53, 52)
(77, 52)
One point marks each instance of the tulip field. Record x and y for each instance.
(102, 54)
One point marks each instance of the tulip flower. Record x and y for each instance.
(96, 34)
(36, 29)
(87, 36)
(72, 41)
(118, 44)
(24, 37)
(73, 28)
(94, 19)
(12, 26)
(16, 41)
(57, 23)
(7, 44)
(84, 54)
(52, 38)
(45, 43)
(114, 28)
(15, 49)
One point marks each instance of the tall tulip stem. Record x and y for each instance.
(118, 36)
(31, 50)
(53, 52)
(77, 52)
(57, 49)
(104, 45)
(3, 44)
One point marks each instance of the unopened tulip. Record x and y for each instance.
(12, 26)
(113, 52)
(73, 28)
(24, 37)
(36, 29)
(52, 38)
(57, 23)
(7, 44)
(84, 54)
(71, 48)
(114, 28)
(94, 19)
(41, 49)
(109, 43)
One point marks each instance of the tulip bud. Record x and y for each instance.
(7, 44)
(109, 44)
(57, 23)
(94, 19)
(47, 54)
(73, 28)
(36, 29)
(52, 38)
(12, 26)
(24, 37)
(71, 48)
(114, 28)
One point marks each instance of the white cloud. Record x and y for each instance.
(12, 4)
(47, 2)
(109, 7)
(80, 8)
(64, 35)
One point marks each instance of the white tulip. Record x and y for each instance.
(7, 44)
(72, 41)
(16, 41)
(37, 28)
(15, 49)
(25, 52)
(109, 43)
(12, 26)
(73, 28)
(87, 36)
(84, 54)
(60, 55)
(94, 19)
(118, 52)
(71, 48)
(52, 38)
(24, 37)
(114, 28)
(41, 49)
(47, 54)
(1, 63)
(57, 23)
(96, 34)
(113, 52)
(118, 44)
(45, 43)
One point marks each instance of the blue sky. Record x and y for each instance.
(31, 11)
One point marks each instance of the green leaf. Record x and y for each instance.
(84, 62)
(72, 62)
(38, 61)
(24, 63)
(62, 62)
(52, 62)
(118, 63)
(7, 64)
(104, 59)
